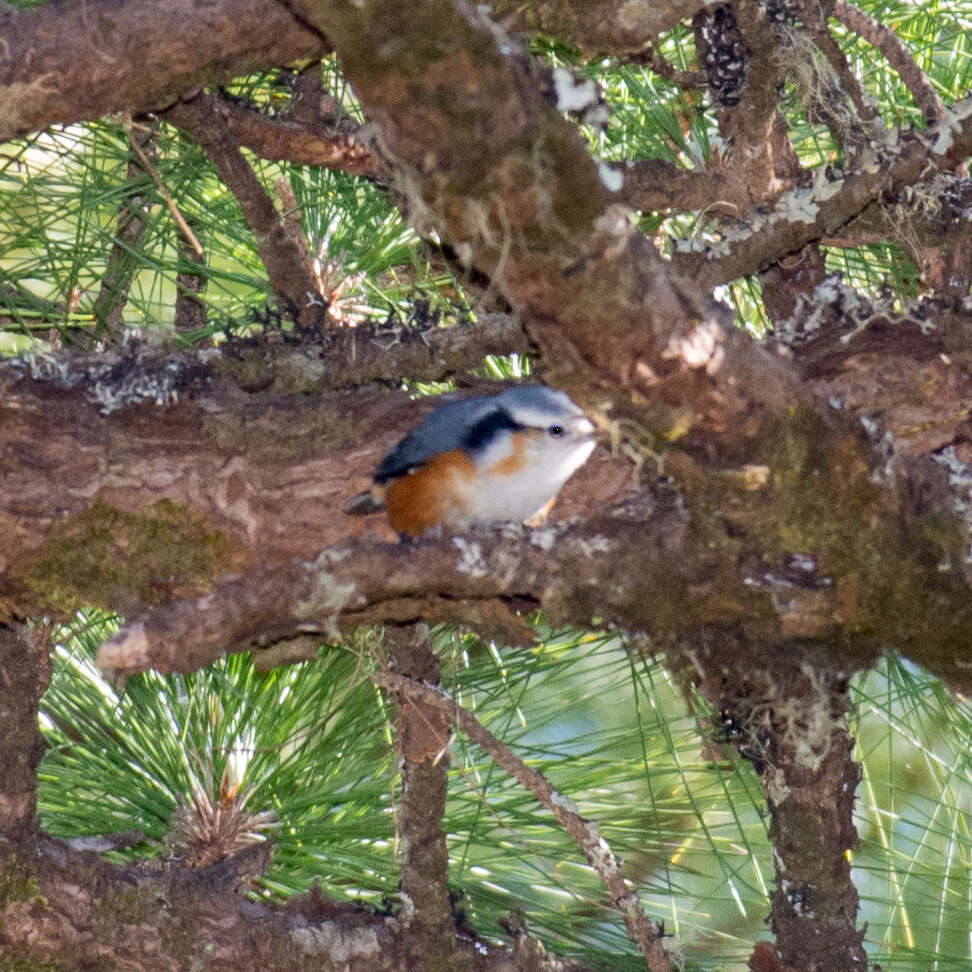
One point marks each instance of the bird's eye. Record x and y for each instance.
(556, 431)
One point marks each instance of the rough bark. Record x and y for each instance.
(422, 737)
(79, 912)
(68, 62)
(139, 517)
(785, 713)
(597, 26)
(24, 674)
(128, 497)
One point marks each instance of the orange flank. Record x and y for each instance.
(515, 461)
(428, 495)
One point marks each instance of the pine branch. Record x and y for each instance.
(283, 247)
(584, 832)
(898, 55)
(804, 216)
(309, 141)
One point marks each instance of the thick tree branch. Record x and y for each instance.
(741, 35)
(135, 486)
(785, 711)
(791, 280)
(68, 62)
(653, 184)
(521, 199)
(422, 737)
(810, 781)
(597, 26)
(785, 543)
(529, 209)
(577, 574)
(83, 912)
(24, 674)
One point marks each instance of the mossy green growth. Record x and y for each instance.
(9, 962)
(124, 906)
(17, 883)
(110, 558)
(810, 489)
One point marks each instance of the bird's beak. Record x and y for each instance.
(584, 428)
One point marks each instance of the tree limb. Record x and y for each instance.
(131, 223)
(898, 55)
(282, 245)
(597, 26)
(805, 215)
(785, 712)
(84, 912)
(24, 675)
(422, 737)
(302, 142)
(68, 62)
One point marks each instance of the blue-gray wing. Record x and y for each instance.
(441, 431)
(453, 424)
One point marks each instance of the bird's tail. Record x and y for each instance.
(370, 501)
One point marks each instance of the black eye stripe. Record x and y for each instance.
(483, 431)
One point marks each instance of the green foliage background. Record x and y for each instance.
(312, 744)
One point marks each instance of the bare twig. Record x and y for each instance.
(284, 253)
(897, 54)
(813, 18)
(585, 833)
(130, 228)
(169, 201)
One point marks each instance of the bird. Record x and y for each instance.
(485, 459)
